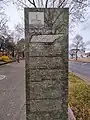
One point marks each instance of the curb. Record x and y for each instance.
(86, 80)
(79, 61)
(7, 62)
(70, 114)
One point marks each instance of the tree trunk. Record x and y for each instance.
(76, 55)
(72, 56)
(13, 53)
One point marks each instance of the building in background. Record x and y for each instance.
(87, 54)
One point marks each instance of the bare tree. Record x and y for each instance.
(19, 27)
(21, 45)
(72, 53)
(3, 19)
(6, 38)
(77, 8)
(7, 42)
(88, 42)
(77, 45)
(19, 30)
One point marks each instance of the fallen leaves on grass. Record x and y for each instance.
(79, 97)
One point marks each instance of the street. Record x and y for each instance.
(81, 69)
(12, 91)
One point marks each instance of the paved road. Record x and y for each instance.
(12, 92)
(80, 69)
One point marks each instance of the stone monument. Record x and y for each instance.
(47, 70)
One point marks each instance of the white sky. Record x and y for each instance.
(83, 29)
(13, 15)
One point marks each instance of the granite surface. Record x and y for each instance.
(47, 78)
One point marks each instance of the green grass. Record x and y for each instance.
(79, 97)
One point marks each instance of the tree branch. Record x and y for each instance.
(46, 4)
(33, 3)
(61, 3)
(22, 3)
(42, 3)
(53, 3)
(81, 2)
(57, 17)
(3, 22)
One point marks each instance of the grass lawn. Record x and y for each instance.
(79, 97)
(84, 59)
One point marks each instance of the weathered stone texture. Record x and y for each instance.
(42, 49)
(45, 105)
(45, 62)
(45, 49)
(38, 75)
(45, 90)
(48, 81)
(51, 115)
(48, 78)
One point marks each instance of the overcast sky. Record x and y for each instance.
(83, 29)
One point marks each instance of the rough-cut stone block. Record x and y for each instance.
(45, 89)
(42, 49)
(45, 105)
(42, 75)
(53, 115)
(45, 62)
